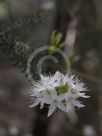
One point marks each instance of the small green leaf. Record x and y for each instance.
(55, 42)
(58, 38)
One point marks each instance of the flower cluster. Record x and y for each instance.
(58, 92)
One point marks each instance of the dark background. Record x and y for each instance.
(30, 23)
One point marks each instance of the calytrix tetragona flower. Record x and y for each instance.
(58, 92)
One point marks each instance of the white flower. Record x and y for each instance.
(56, 103)
(58, 92)
(76, 86)
(47, 82)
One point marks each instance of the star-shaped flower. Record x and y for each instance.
(58, 92)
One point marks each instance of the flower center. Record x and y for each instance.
(62, 89)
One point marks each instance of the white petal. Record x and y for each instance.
(61, 107)
(62, 96)
(36, 102)
(83, 95)
(46, 100)
(77, 103)
(54, 94)
(75, 96)
(42, 77)
(35, 93)
(57, 75)
(42, 88)
(52, 108)
(42, 105)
